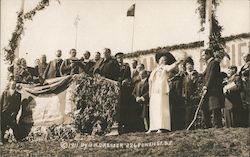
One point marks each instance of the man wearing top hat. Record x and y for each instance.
(213, 101)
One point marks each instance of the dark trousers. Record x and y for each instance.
(245, 116)
(5, 125)
(233, 117)
(217, 118)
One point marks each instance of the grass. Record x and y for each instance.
(208, 142)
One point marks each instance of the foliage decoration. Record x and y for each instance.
(9, 51)
(184, 46)
(96, 100)
(216, 41)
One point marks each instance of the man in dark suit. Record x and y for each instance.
(53, 68)
(127, 110)
(71, 65)
(108, 67)
(245, 89)
(213, 101)
(87, 64)
(9, 106)
(141, 95)
(124, 72)
(98, 61)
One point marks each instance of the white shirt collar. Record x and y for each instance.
(86, 60)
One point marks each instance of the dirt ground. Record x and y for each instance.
(209, 142)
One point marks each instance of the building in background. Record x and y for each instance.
(236, 46)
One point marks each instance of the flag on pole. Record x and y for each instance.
(77, 20)
(131, 11)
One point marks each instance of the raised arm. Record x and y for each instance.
(171, 67)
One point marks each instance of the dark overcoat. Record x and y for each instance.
(213, 81)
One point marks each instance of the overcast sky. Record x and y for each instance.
(103, 23)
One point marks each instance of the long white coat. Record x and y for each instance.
(159, 108)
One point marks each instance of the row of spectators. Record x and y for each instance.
(182, 84)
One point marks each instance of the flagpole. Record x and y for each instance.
(76, 35)
(133, 34)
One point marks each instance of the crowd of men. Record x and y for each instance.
(226, 93)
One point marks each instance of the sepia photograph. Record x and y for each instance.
(110, 78)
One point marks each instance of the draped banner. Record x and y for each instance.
(81, 102)
(47, 104)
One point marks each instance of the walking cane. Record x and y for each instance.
(197, 110)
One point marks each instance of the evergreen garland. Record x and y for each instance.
(184, 46)
(9, 51)
(216, 41)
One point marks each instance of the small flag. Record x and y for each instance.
(131, 11)
(77, 20)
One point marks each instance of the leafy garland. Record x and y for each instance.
(183, 46)
(216, 41)
(9, 51)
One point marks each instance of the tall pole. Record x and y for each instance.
(133, 34)
(76, 25)
(76, 36)
(208, 23)
(18, 42)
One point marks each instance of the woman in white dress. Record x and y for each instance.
(159, 108)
